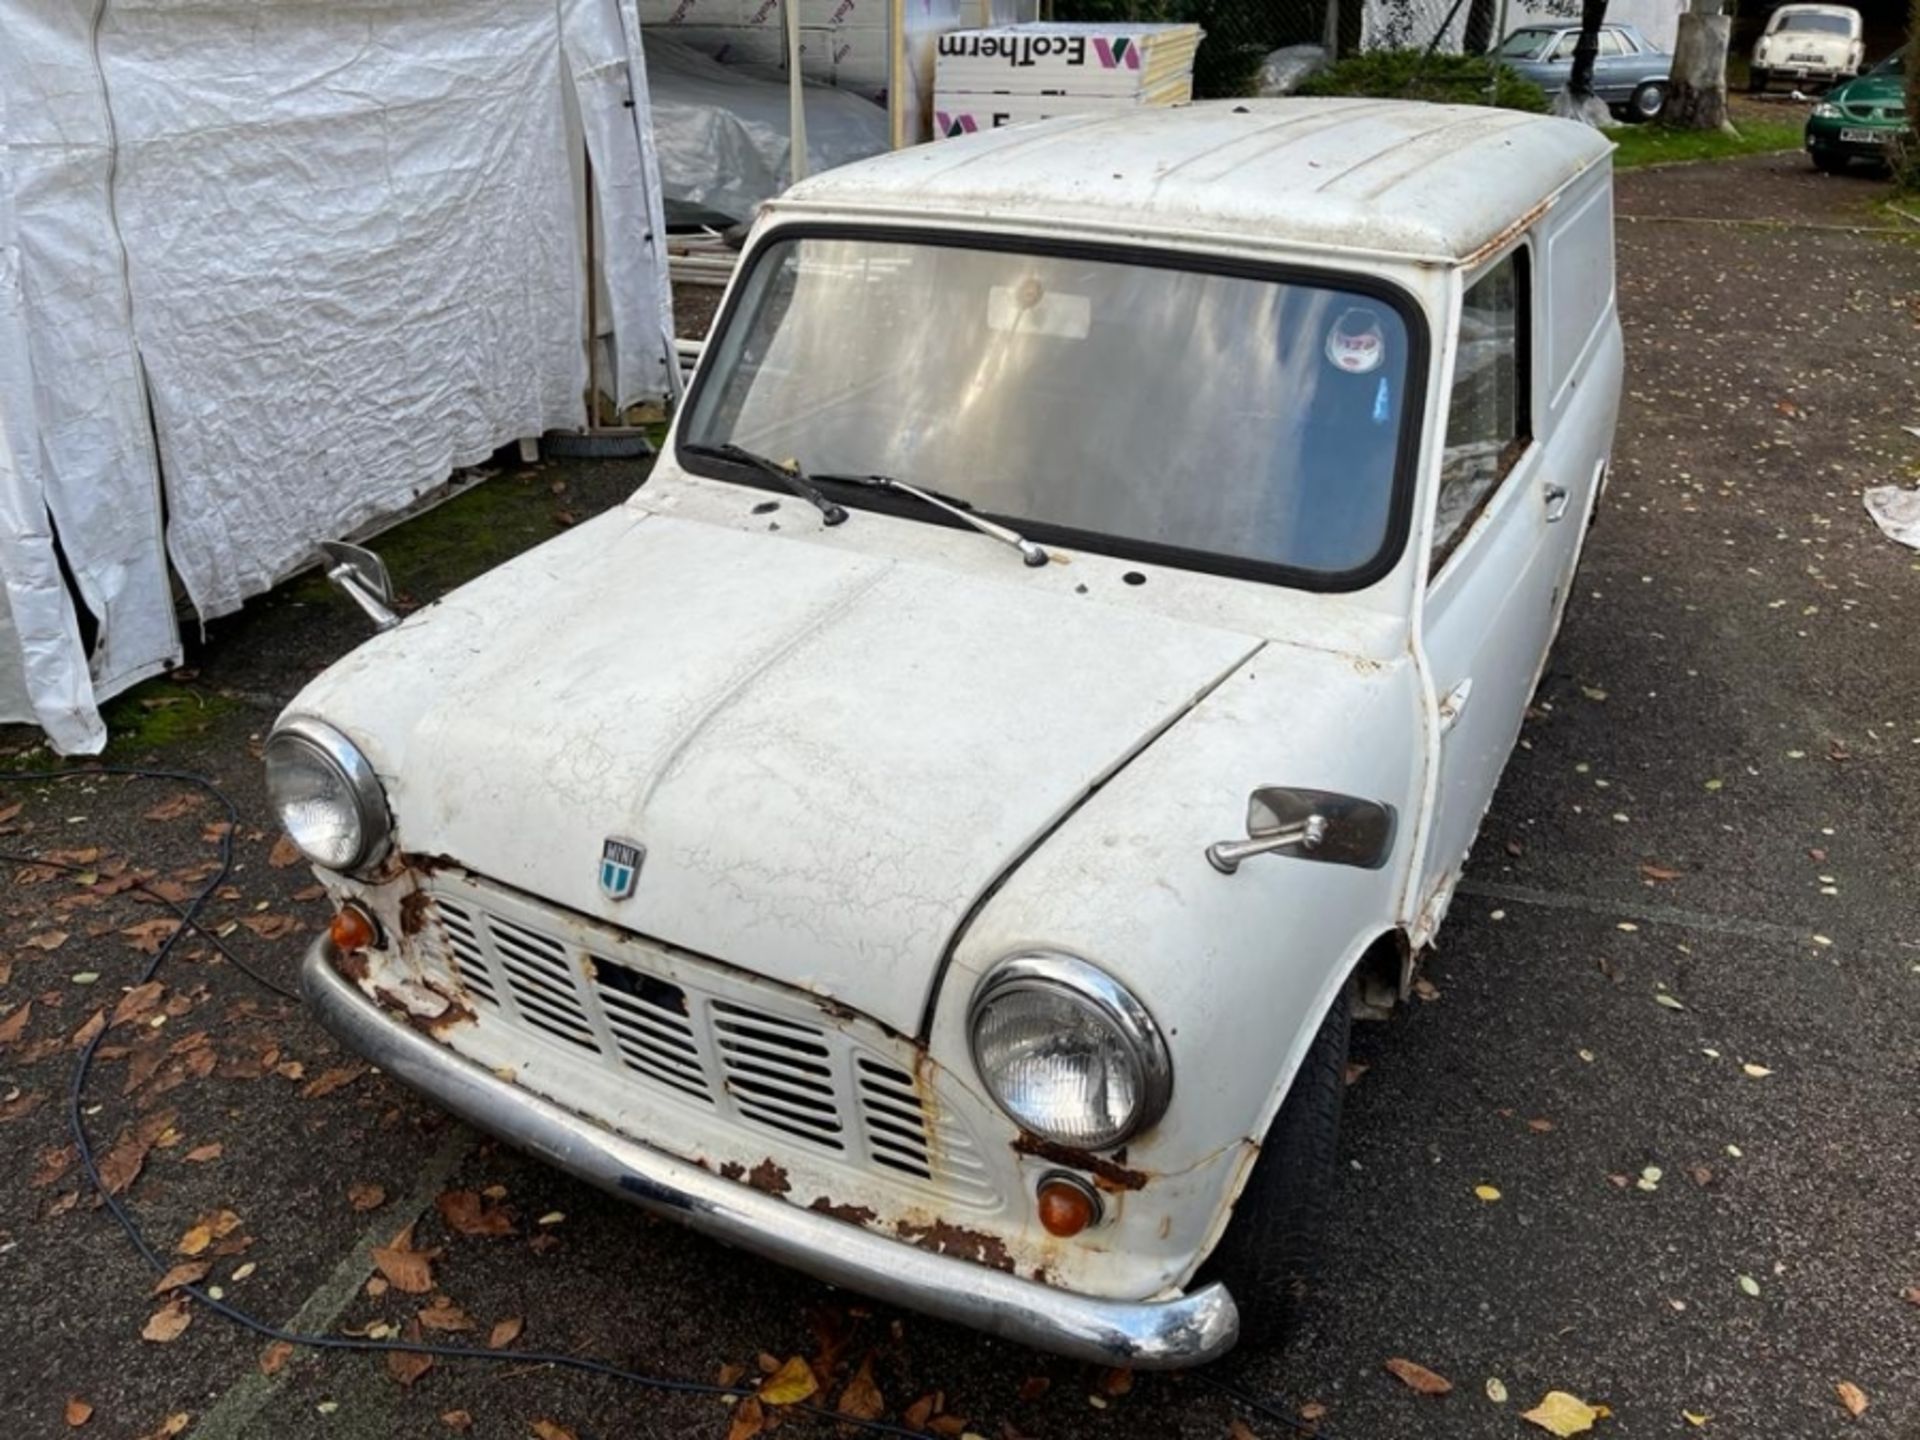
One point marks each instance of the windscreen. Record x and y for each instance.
(1820, 24)
(1525, 44)
(1244, 418)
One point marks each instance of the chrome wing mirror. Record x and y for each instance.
(1310, 825)
(363, 576)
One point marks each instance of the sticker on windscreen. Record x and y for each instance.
(1355, 343)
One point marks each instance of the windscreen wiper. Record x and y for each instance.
(1030, 552)
(790, 475)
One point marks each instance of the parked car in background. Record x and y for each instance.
(1861, 119)
(1629, 73)
(937, 832)
(1802, 43)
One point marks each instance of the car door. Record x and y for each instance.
(1615, 67)
(1495, 578)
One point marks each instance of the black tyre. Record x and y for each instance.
(1756, 82)
(1267, 1257)
(1648, 101)
(1832, 162)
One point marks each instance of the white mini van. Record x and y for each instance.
(938, 831)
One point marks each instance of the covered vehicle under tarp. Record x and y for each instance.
(269, 270)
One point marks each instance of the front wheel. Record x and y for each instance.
(1830, 162)
(1648, 101)
(1756, 82)
(1267, 1257)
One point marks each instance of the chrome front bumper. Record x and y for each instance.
(1146, 1335)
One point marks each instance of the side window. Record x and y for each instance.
(1487, 422)
(1564, 49)
(1611, 43)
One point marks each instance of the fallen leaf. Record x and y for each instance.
(1426, 989)
(1238, 1429)
(15, 1025)
(209, 1228)
(275, 1356)
(505, 1332)
(121, 1165)
(1418, 1377)
(1313, 1410)
(465, 1212)
(149, 935)
(187, 1272)
(285, 854)
(406, 1269)
(1497, 1390)
(1853, 1397)
(331, 1081)
(271, 927)
(1116, 1381)
(1911, 1294)
(1750, 1285)
(861, 1399)
(1650, 1179)
(83, 1037)
(1757, 1072)
(1593, 692)
(1659, 873)
(790, 1384)
(184, 803)
(78, 1412)
(168, 1323)
(1559, 1413)
(1695, 1418)
(47, 940)
(1033, 1387)
(444, 1315)
(456, 1420)
(137, 1003)
(1540, 1126)
(918, 1412)
(168, 1427)
(201, 1154)
(1672, 1002)
(1486, 1193)
(1355, 1069)
(407, 1366)
(364, 1195)
(747, 1420)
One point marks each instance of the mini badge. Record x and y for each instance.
(1355, 343)
(620, 862)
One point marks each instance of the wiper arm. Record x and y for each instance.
(791, 476)
(1030, 552)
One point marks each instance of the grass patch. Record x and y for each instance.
(1638, 145)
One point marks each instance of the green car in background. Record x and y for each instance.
(1861, 119)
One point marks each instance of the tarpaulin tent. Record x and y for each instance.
(269, 270)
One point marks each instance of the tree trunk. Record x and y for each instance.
(1697, 93)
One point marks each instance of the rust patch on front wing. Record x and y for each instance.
(351, 965)
(769, 1178)
(945, 1238)
(435, 1026)
(1107, 1174)
(851, 1214)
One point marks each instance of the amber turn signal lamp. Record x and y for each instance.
(352, 929)
(1068, 1204)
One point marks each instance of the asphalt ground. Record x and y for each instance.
(1715, 800)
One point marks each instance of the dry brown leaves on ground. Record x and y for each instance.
(861, 1398)
(122, 1164)
(274, 1357)
(407, 1366)
(405, 1268)
(78, 1412)
(504, 1333)
(456, 1419)
(364, 1195)
(215, 1225)
(187, 1272)
(168, 1323)
(468, 1214)
(1418, 1377)
(548, 1430)
(329, 1081)
(1853, 1397)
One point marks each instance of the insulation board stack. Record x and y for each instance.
(989, 78)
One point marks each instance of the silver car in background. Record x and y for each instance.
(1629, 73)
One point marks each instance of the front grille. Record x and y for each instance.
(769, 1067)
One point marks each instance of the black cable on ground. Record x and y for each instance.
(189, 922)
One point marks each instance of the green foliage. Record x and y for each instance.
(1906, 164)
(1413, 75)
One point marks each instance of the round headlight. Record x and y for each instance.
(326, 794)
(1068, 1052)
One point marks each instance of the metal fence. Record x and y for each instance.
(1240, 33)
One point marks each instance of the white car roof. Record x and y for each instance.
(1439, 183)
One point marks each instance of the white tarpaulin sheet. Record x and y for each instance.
(341, 240)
